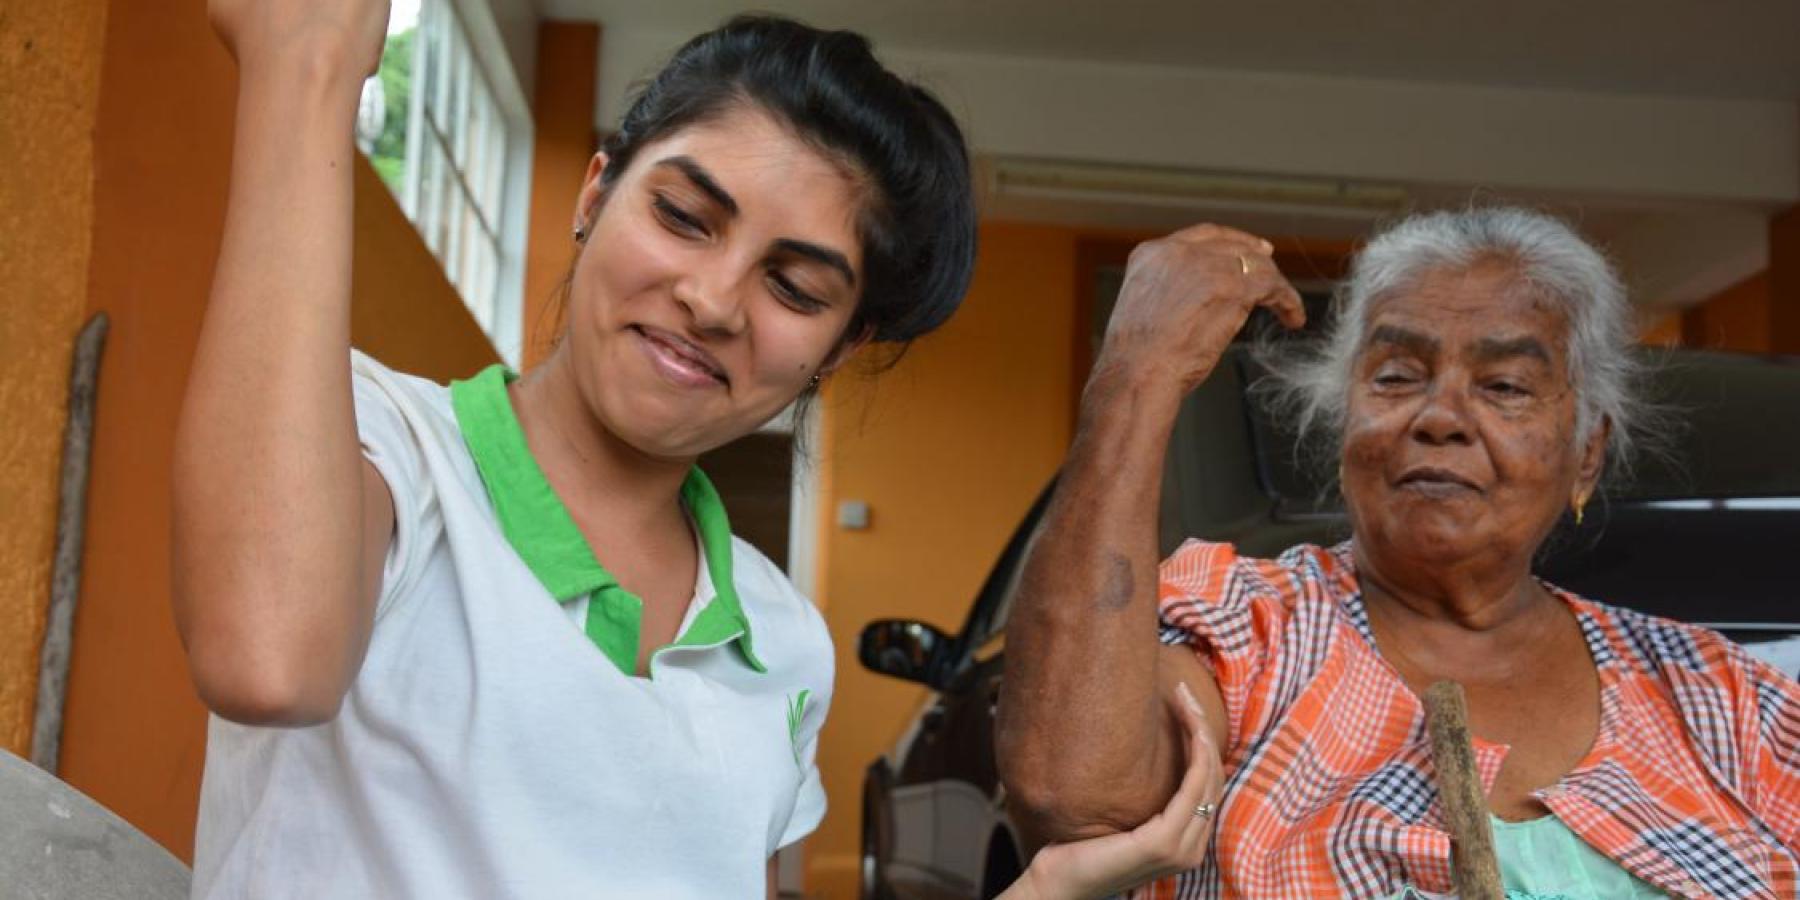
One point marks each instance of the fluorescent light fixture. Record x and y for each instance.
(1023, 176)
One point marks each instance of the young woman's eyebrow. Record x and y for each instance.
(703, 180)
(821, 254)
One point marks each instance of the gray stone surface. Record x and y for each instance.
(56, 844)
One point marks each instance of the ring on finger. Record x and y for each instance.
(1244, 264)
(1204, 811)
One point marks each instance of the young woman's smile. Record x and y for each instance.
(681, 361)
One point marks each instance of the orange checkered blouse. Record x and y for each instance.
(1693, 783)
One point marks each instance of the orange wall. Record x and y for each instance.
(1760, 314)
(1662, 332)
(948, 450)
(49, 64)
(135, 734)
(1737, 318)
(563, 112)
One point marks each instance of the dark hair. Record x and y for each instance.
(918, 232)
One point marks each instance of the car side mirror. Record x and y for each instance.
(904, 649)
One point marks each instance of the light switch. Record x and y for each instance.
(853, 515)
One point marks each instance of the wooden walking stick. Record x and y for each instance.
(1473, 864)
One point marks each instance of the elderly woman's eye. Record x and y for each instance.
(1391, 378)
(1509, 389)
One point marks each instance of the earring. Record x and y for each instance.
(813, 382)
(1579, 502)
(580, 234)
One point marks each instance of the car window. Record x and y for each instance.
(987, 632)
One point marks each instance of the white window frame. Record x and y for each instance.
(480, 123)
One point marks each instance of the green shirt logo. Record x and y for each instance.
(796, 710)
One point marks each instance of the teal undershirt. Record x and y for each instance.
(540, 529)
(1543, 860)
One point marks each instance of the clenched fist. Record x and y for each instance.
(1185, 296)
(342, 37)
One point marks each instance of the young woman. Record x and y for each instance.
(496, 639)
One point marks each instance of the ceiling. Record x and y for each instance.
(1741, 49)
(1627, 54)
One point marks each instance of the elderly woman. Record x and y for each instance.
(1477, 386)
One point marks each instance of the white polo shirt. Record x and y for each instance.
(487, 748)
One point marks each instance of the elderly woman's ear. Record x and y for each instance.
(1593, 465)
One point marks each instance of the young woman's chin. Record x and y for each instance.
(675, 427)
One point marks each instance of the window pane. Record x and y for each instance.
(431, 195)
(490, 277)
(481, 277)
(443, 145)
(468, 239)
(436, 26)
(453, 210)
(455, 123)
(493, 178)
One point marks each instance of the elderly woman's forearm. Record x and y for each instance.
(1081, 728)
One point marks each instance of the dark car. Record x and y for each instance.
(1708, 532)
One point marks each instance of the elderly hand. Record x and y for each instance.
(1172, 841)
(1185, 296)
(341, 38)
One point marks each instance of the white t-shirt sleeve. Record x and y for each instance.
(389, 443)
(809, 800)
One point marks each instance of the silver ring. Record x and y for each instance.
(1204, 811)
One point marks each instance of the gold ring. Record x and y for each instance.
(1205, 810)
(1244, 263)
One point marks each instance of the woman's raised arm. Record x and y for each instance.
(280, 526)
(1085, 745)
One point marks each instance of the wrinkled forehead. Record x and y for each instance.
(1488, 309)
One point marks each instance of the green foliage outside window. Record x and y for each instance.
(389, 153)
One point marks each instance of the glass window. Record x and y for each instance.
(433, 127)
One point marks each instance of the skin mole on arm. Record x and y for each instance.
(1116, 593)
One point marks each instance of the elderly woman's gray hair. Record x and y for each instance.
(1311, 386)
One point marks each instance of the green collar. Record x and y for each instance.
(540, 530)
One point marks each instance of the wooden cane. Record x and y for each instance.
(1474, 866)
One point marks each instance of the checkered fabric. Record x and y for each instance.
(1693, 783)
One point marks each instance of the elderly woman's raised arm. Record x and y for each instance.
(1086, 745)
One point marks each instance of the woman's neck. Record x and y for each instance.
(1460, 620)
(597, 475)
(1471, 596)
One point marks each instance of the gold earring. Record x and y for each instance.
(1579, 501)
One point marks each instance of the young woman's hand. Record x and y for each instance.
(344, 37)
(1185, 296)
(1174, 840)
